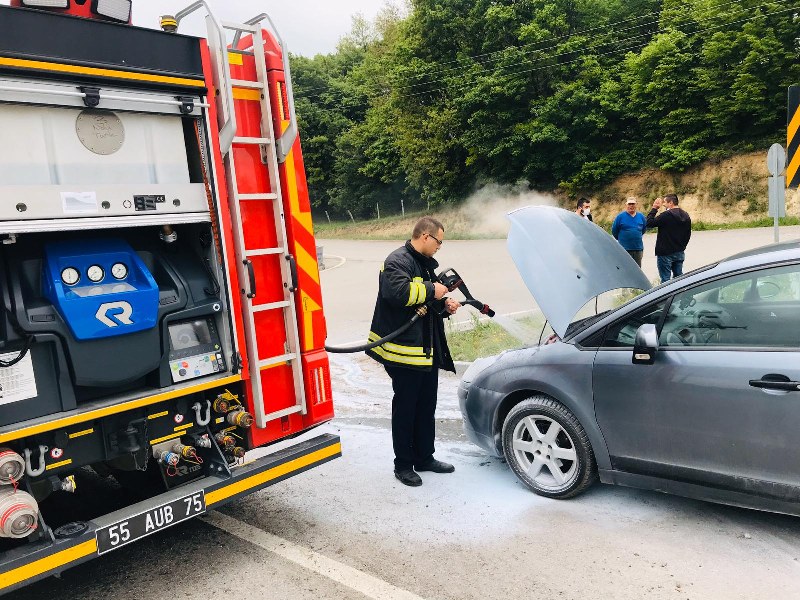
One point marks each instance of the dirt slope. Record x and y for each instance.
(718, 192)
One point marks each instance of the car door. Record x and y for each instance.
(721, 404)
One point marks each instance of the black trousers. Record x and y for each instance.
(413, 408)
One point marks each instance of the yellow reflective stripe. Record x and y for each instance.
(397, 348)
(79, 70)
(423, 293)
(246, 94)
(406, 360)
(48, 563)
(412, 294)
(21, 432)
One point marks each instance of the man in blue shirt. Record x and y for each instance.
(628, 228)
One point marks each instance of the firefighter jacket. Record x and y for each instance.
(405, 284)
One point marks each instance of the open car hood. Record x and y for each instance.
(566, 260)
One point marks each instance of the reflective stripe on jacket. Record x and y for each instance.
(405, 284)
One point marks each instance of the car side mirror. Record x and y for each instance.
(646, 345)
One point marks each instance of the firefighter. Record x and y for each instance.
(407, 284)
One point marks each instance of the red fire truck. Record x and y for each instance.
(160, 303)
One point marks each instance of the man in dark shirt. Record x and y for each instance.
(674, 230)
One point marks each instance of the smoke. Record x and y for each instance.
(485, 211)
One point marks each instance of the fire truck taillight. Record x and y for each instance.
(119, 10)
(46, 3)
(319, 386)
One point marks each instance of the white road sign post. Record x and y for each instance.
(776, 162)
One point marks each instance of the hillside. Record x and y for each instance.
(728, 192)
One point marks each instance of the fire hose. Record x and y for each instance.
(448, 278)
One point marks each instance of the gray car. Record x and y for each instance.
(691, 388)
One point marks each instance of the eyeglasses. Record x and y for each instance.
(438, 241)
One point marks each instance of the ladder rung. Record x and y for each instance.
(239, 27)
(276, 360)
(264, 251)
(251, 140)
(258, 196)
(283, 413)
(270, 306)
(244, 83)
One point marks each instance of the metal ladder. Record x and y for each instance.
(271, 201)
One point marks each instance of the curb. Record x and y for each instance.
(461, 366)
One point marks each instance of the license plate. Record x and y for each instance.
(155, 519)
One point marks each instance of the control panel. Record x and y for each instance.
(195, 349)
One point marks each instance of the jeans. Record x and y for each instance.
(670, 265)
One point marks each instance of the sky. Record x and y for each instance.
(308, 27)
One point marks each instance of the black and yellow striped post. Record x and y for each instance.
(793, 138)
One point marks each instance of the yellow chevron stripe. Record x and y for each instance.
(794, 124)
(306, 262)
(791, 170)
(309, 306)
(62, 68)
(304, 218)
(48, 563)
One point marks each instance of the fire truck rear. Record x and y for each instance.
(160, 303)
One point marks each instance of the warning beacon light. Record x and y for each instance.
(118, 11)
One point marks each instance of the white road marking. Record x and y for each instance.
(342, 260)
(366, 584)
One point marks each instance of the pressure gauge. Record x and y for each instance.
(119, 271)
(70, 276)
(95, 273)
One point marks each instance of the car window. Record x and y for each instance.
(622, 333)
(753, 309)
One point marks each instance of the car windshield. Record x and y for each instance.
(619, 299)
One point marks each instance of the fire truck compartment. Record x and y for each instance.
(114, 343)
(76, 162)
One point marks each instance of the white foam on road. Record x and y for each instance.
(366, 584)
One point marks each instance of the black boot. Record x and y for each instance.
(436, 466)
(408, 477)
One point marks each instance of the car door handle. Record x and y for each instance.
(776, 382)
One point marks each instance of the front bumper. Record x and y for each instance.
(473, 414)
(27, 564)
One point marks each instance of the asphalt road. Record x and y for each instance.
(348, 529)
(350, 281)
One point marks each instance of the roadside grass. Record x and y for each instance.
(486, 337)
(399, 227)
(704, 226)
(763, 222)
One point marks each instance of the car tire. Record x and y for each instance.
(555, 460)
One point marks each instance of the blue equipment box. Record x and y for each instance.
(101, 288)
